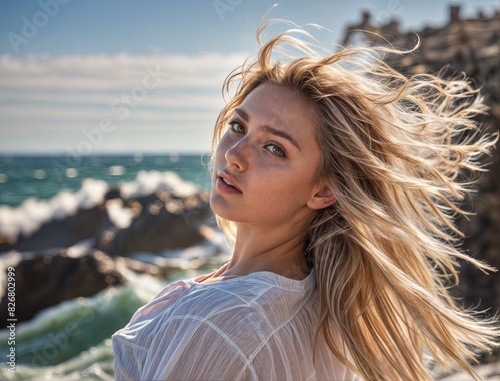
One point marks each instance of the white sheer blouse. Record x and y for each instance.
(255, 327)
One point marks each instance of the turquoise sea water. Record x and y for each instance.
(71, 340)
(43, 176)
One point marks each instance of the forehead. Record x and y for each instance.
(280, 107)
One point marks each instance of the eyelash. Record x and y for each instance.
(280, 155)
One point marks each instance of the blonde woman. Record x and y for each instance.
(337, 180)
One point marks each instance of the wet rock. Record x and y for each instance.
(44, 279)
(162, 221)
(84, 224)
(152, 223)
(470, 46)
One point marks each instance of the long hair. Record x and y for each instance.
(395, 151)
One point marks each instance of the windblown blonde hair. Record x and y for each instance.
(394, 150)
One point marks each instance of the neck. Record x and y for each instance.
(266, 249)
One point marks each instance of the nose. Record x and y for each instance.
(236, 156)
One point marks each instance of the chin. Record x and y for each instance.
(223, 211)
(217, 204)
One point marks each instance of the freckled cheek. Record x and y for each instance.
(277, 184)
(292, 186)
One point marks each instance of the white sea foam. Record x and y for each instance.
(81, 327)
(40, 174)
(91, 193)
(215, 250)
(116, 170)
(80, 248)
(145, 184)
(32, 213)
(191, 258)
(118, 214)
(71, 173)
(148, 182)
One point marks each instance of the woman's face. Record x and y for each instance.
(266, 160)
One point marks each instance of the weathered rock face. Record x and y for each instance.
(162, 221)
(52, 269)
(61, 233)
(158, 222)
(483, 242)
(43, 280)
(470, 46)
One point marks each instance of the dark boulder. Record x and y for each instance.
(45, 279)
(470, 46)
(162, 222)
(84, 224)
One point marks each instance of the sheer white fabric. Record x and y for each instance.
(255, 327)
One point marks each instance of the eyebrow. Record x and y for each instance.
(269, 129)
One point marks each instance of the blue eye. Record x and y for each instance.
(236, 127)
(276, 150)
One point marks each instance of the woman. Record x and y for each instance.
(337, 180)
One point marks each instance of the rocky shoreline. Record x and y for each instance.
(104, 243)
(470, 46)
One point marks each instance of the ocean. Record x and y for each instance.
(71, 340)
(22, 177)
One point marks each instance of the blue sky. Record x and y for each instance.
(95, 76)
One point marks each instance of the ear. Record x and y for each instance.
(323, 198)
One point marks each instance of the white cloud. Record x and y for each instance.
(103, 72)
(160, 98)
(89, 113)
(144, 93)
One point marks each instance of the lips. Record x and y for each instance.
(226, 183)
